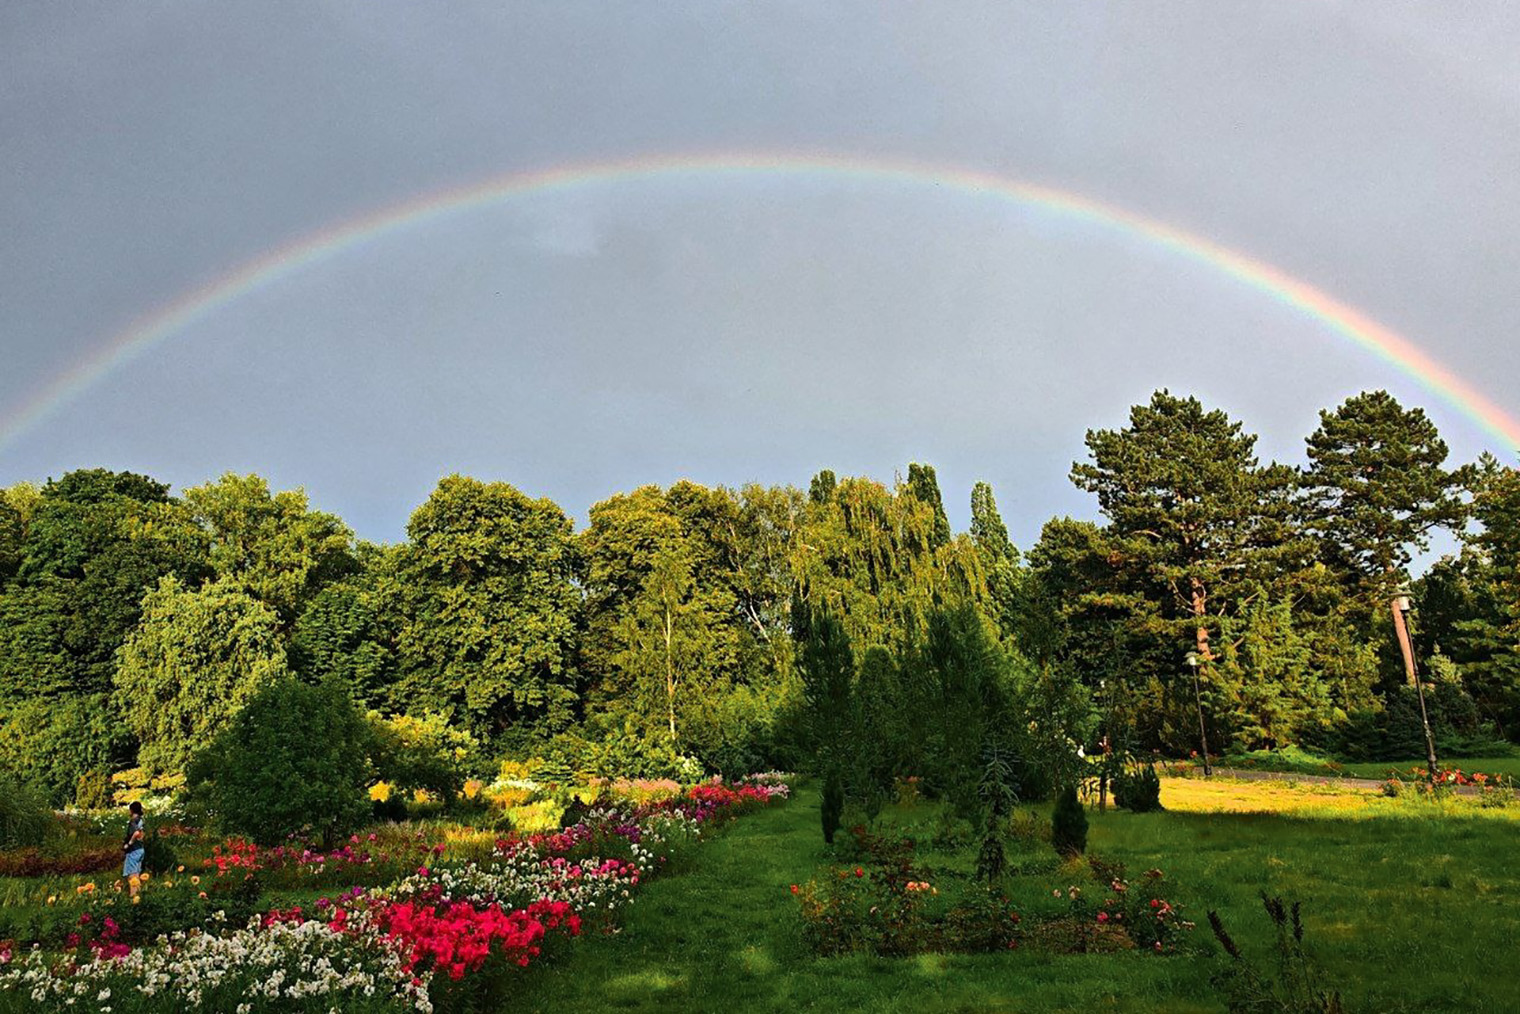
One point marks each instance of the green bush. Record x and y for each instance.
(1138, 790)
(93, 791)
(421, 753)
(295, 759)
(158, 857)
(833, 805)
(24, 818)
(1068, 823)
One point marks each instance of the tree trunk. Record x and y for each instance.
(1200, 609)
(670, 677)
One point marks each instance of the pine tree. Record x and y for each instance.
(1376, 487)
(1199, 524)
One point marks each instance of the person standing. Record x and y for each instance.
(132, 849)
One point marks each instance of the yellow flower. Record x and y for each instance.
(52, 898)
(136, 898)
(472, 788)
(380, 792)
(195, 880)
(180, 868)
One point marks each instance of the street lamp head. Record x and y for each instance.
(1193, 660)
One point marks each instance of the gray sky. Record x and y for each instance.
(728, 329)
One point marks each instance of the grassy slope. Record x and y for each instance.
(1412, 912)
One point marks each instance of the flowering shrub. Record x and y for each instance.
(888, 905)
(1146, 915)
(294, 962)
(361, 859)
(457, 938)
(1451, 776)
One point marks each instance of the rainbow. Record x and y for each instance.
(326, 244)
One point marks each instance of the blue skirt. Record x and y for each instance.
(131, 864)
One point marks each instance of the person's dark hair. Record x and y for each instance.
(135, 809)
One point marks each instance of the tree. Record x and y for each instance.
(924, 485)
(491, 609)
(1274, 690)
(17, 505)
(1198, 530)
(273, 545)
(1189, 506)
(821, 489)
(1487, 632)
(192, 663)
(11, 539)
(672, 636)
(999, 559)
(1376, 487)
(872, 557)
(91, 544)
(348, 631)
(294, 759)
(826, 664)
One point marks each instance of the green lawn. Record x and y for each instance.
(1410, 912)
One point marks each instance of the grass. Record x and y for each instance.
(1411, 906)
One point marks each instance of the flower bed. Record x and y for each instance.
(446, 935)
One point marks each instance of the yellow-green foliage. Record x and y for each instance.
(537, 817)
(505, 797)
(642, 790)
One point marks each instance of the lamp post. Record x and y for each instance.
(1194, 662)
(1405, 607)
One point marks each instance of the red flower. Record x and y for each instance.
(794, 888)
(859, 872)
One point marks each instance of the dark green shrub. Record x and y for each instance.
(295, 759)
(833, 805)
(1138, 790)
(158, 857)
(24, 818)
(392, 808)
(1068, 823)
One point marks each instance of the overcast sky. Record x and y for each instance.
(729, 328)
